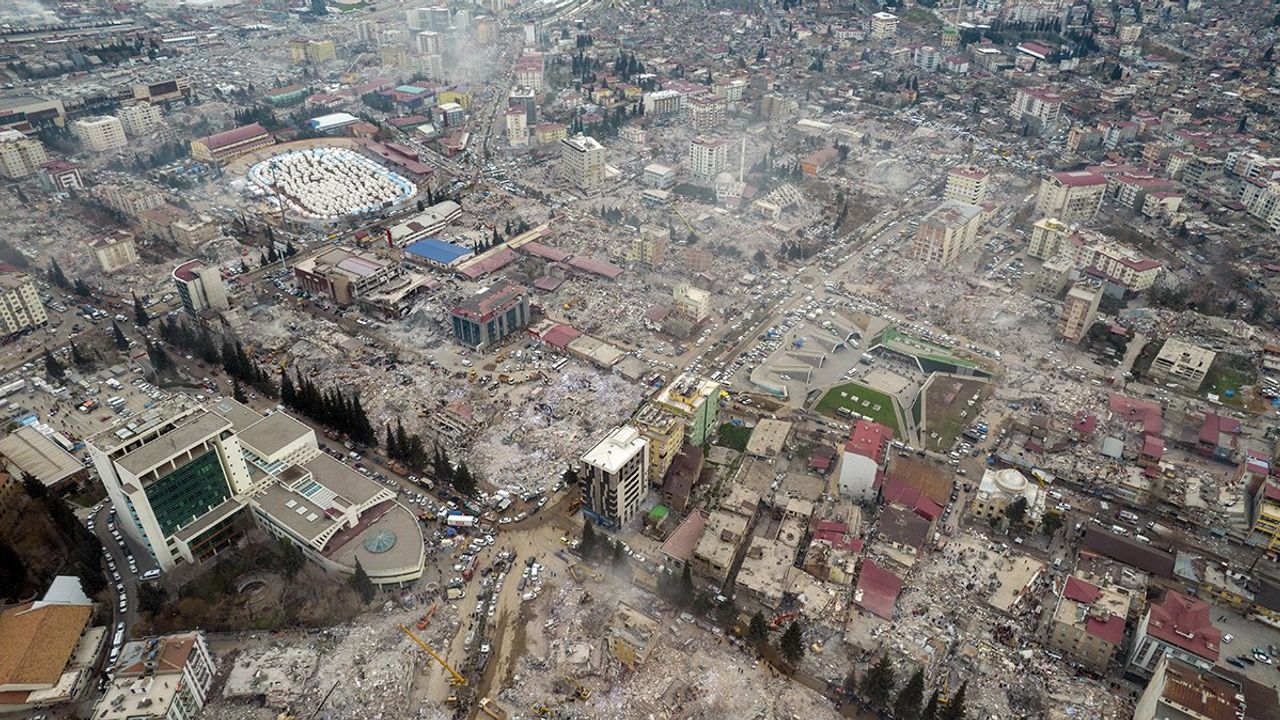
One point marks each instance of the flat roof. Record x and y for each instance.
(240, 415)
(301, 516)
(394, 523)
(768, 438)
(30, 451)
(342, 479)
(197, 428)
(273, 433)
(438, 251)
(619, 446)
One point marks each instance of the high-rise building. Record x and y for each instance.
(947, 232)
(1036, 107)
(1071, 197)
(527, 100)
(438, 19)
(20, 306)
(391, 39)
(20, 155)
(159, 678)
(695, 399)
(708, 157)
(1049, 238)
(582, 163)
(1178, 626)
(966, 184)
(139, 118)
(664, 432)
(491, 315)
(200, 287)
(1079, 310)
(706, 113)
(517, 127)
(612, 480)
(884, 26)
(114, 251)
(529, 70)
(416, 18)
(101, 133)
(428, 42)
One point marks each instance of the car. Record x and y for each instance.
(1226, 639)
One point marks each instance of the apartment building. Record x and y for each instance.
(491, 315)
(139, 118)
(1261, 199)
(724, 535)
(20, 156)
(613, 477)
(1048, 238)
(130, 200)
(1181, 691)
(865, 457)
(20, 306)
(884, 26)
(1088, 622)
(200, 286)
(947, 232)
(966, 184)
(428, 42)
(179, 477)
(310, 52)
(663, 102)
(101, 133)
(1178, 626)
(706, 113)
(1079, 310)
(159, 678)
(114, 251)
(1037, 107)
(582, 163)
(517, 126)
(692, 302)
(664, 431)
(1071, 197)
(223, 147)
(1117, 264)
(529, 69)
(649, 246)
(695, 399)
(1181, 362)
(708, 157)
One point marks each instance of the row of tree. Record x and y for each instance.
(340, 411)
(460, 477)
(878, 689)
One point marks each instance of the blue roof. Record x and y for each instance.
(437, 250)
(411, 89)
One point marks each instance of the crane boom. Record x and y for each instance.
(457, 680)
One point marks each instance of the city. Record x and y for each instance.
(383, 359)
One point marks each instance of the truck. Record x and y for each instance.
(455, 593)
(461, 520)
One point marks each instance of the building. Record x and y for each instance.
(612, 480)
(966, 184)
(223, 147)
(139, 118)
(1088, 622)
(659, 176)
(1116, 265)
(49, 648)
(1181, 691)
(723, 534)
(1178, 626)
(44, 453)
(863, 461)
(200, 287)
(20, 306)
(707, 157)
(517, 125)
(664, 431)
(1049, 238)
(692, 302)
(20, 156)
(437, 253)
(428, 42)
(884, 26)
(491, 315)
(649, 245)
(114, 251)
(1181, 362)
(632, 635)
(1001, 488)
(27, 113)
(1079, 310)
(529, 71)
(423, 225)
(60, 176)
(100, 133)
(706, 113)
(165, 678)
(582, 163)
(131, 201)
(947, 232)
(1036, 107)
(525, 100)
(180, 477)
(663, 102)
(1071, 197)
(344, 275)
(311, 52)
(695, 399)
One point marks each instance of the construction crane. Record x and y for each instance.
(456, 680)
(688, 226)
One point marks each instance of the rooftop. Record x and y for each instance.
(1185, 622)
(39, 641)
(272, 434)
(192, 430)
(612, 452)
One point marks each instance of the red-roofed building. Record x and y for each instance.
(877, 590)
(223, 147)
(1088, 622)
(1147, 413)
(896, 491)
(1084, 425)
(863, 460)
(833, 552)
(1217, 436)
(1179, 626)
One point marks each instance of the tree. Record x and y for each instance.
(851, 683)
(140, 316)
(238, 392)
(463, 480)
(292, 560)
(54, 369)
(570, 477)
(56, 276)
(151, 598)
(1050, 524)
(1016, 511)
(955, 708)
(33, 487)
(82, 288)
(78, 356)
(684, 591)
(877, 684)
(758, 631)
(13, 572)
(619, 557)
(910, 698)
(931, 709)
(590, 541)
(792, 643)
(362, 584)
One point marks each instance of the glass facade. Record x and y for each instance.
(188, 492)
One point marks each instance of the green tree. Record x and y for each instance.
(758, 631)
(140, 316)
(121, 341)
(33, 487)
(955, 708)
(238, 392)
(1050, 524)
(13, 573)
(463, 481)
(78, 356)
(792, 643)
(570, 477)
(851, 683)
(82, 288)
(931, 708)
(56, 276)
(1016, 511)
(877, 684)
(619, 556)
(910, 698)
(362, 584)
(590, 541)
(151, 598)
(54, 369)
(292, 559)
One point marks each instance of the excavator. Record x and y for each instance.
(580, 693)
(455, 679)
(426, 619)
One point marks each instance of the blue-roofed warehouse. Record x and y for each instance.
(436, 253)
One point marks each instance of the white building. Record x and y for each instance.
(1037, 107)
(1178, 626)
(582, 163)
(708, 157)
(966, 184)
(884, 26)
(20, 306)
(160, 678)
(200, 287)
(517, 120)
(947, 232)
(693, 302)
(612, 479)
(139, 118)
(865, 457)
(1072, 196)
(102, 133)
(1001, 488)
(20, 155)
(114, 251)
